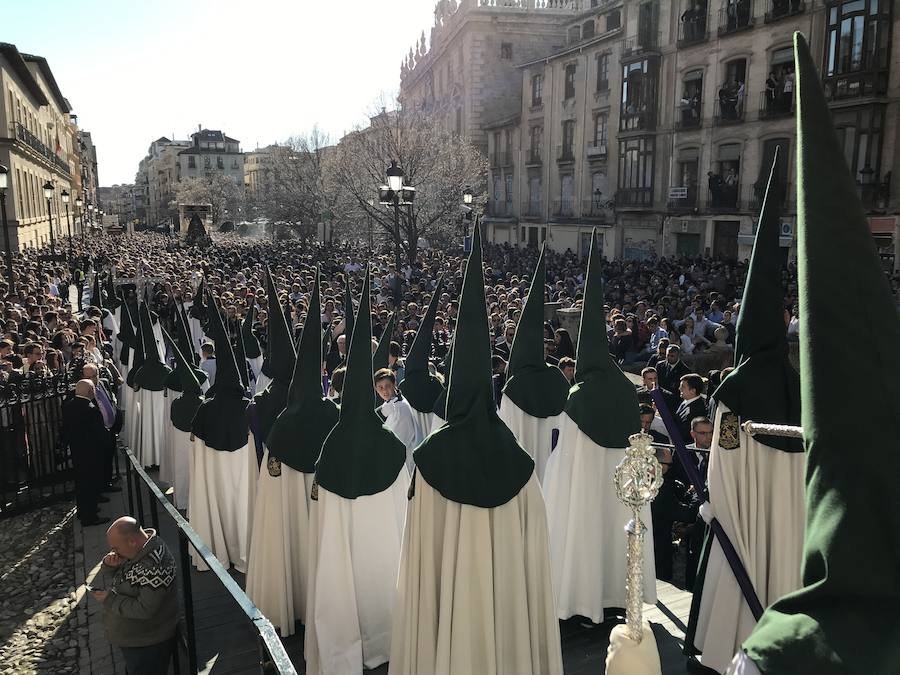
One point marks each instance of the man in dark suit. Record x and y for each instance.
(112, 422)
(672, 369)
(86, 436)
(692, 405)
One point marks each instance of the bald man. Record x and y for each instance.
(139, 596)
(86, 436)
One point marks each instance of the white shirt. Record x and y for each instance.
(400, 420)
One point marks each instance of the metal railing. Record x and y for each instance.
(597, 210)
(35, 467)
(594, 150)
(272, 656)
(692, 29)
(737, 15)
(729, 111)
(532, 209)
(778, 9)
(687, 203)
(35, 144)
(565, 153)
(533, 156)
(724, 198)
(688, 116)
(634, 197)
(775, 105)
(644, 41)
(564, 207)
(782, 194)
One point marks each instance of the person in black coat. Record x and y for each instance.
(693, 405)
(672, 504)
(671, 370)
(85, 434)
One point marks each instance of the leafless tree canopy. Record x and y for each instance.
(222, 193)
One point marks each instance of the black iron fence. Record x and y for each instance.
(272, 656)
(35, 467)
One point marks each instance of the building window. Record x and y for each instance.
(570, 81)
(636, 164)
(19, 194)
(506, 50)
(602, 72)
(725, 181)
(639, 82)
(537, 90)
(600, 121)
(691, 103)
(732, 91)
(587, 29)
(857, 48)
(859, 131)
(782, 146)
(206, 163)
(509, 189)
(536, 137)
(220, 163)
(778, 97)
(192, 162)
(568, 140)
(613, 20)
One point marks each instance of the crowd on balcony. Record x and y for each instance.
(731, 100)
(780, 90)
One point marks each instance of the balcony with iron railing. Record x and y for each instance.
(645, 41)
(689, 115)
(598, 211)
(532, 209)
(638, 116)
(33, 142)
(775, 106)
(692, 29)
(729, 110)
(737, 15)
(781, 193)
(870, 79)
(641, 197)
(596, 152)
(724, 199)
(499, 208)
(565, 153)
(688, 202)
(564, 208)
(779, 9)
(499, 159)
(533, 157)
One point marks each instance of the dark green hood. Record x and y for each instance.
(764, 387)
(348, 311)
(843, 618)
(96, 293)
(184, 408)
(360, 457)
(300, 430)
(603, 402)
(137, 354)
(419, 387)
(474, 458)
(112, 298)
(127, 338)
(251, 344)
(221, 421)
(382, 355)
(153, 373)
(537, 388)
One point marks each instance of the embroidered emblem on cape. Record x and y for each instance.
(730, 432)
(156, 569)
(314, 491)
(274, 466)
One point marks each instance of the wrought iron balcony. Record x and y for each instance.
(686, 203)
(634, 197)
(729, 111)
(499, 208)
(35, 144)
(644, 41)
(533, 157)
(775, 106)
(596, 151)
(692, 29)
(598, 211)
(781, 193)
(737, 15)
(724, 199)
(688, 116)
(779, 9)
(564, 208)
(565, 153)
(532, 209)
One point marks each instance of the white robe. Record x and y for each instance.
(133, 422)
(535, 434)
(354, 556)
(181, 450)
(424, 421)
(278, 567)
(400, 420)
(262, 381)
(587, 527)
(151, 436)
(757, 493)
(223, 485)
(474, 593)
(255, 366)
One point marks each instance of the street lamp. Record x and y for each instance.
(4, 182)
(79, 206)
(48, 195)
(91, 208)
(371, 203)
(396, 193)
(65, 200)
(468, 197)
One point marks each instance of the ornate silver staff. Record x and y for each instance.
(786, 430)
(638, 479)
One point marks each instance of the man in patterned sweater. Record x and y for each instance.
(140, 602)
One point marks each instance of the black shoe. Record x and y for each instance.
(94, 521)
(111, 488)
(103, 500)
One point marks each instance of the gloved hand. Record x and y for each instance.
(706, 512)
(625, 657)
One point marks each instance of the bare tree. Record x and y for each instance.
(439, 164)
(222, 193)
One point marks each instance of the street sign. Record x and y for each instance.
(678, 193)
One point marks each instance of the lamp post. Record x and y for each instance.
(468, 196)
(4, 178)
(65, 200)
(371, 202)
(48, 195)
(79, 206)
(395, 185)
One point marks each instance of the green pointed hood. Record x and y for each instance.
(348, 311)
(300, 430)
(153, 373)
(419, 387)
(381, 357)
(198, 309)
(251, 344)
(360, 457)
(764, 386)
(603, 401)
(183, 336)
(96, 293)
(184, 408)
(271, 401)
(112, 298)
(842, 620)
(137, 354)
(221, 420)
(126, 336)
(474, 458)
(536, 387)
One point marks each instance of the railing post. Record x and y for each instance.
(191, 637)
(139, 496)
(154, 514)
(130, 486)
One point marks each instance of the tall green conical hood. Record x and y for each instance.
(251, 344)
(300, 430)
(382, 354)
(843, 618)
(537, 388)
(348, 311)
(184, 408)
(603, 402)
(764, 386)
(359, 456)
(198, 309)
(474, 458)
(153, 373)
(126, 336)
(183, 334)
(419, 387)
(282, 358)
(137, 346)
(112, 298)
(240, 357)
(221, 421)
(96, 294)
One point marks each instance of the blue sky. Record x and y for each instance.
(260, 70)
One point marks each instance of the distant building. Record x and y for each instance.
(118, 201)
(209, 153)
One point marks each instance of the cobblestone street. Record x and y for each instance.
(38, 623)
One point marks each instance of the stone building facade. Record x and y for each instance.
(211, 152)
